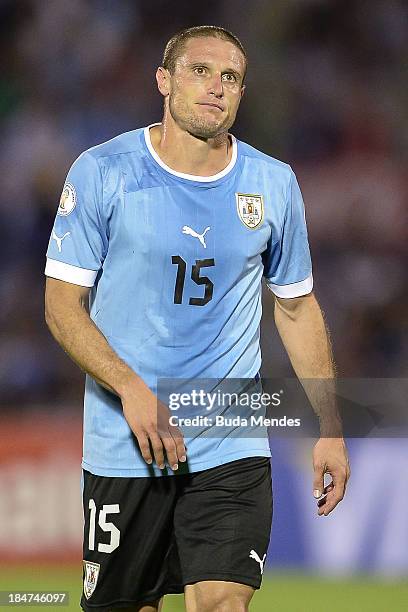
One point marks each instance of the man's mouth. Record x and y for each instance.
(211, 104)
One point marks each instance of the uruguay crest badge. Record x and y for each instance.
(250, 209)
(91, 573)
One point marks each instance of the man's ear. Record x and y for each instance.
(163, 80)
(242, 90)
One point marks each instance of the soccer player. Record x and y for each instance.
(154, 270)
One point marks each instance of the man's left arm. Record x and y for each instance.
(301, 326)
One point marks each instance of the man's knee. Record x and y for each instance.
(218, 596)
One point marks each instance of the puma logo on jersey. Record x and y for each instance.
(59, 240)
(254, 555)
(191, 232)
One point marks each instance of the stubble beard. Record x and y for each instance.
(193, 123)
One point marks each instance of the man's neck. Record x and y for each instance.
(185, 153)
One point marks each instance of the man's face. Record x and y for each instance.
(205, 88)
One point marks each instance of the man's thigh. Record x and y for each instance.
(217, 596)
(155, 606)
(128, 536)
(222, 524)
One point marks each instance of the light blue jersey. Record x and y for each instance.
(175, 263)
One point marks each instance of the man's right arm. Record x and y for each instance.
(67, 316)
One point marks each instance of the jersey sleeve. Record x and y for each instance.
(79, 242)
(287, 261)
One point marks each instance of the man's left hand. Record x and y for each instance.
(330, 457)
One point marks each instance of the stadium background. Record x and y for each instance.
(325, 92)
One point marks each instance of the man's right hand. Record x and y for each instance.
(149, 419)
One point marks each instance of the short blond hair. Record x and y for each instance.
(175, 46)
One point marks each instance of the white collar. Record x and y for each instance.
(190, 177)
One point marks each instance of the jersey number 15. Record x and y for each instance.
(195, 276)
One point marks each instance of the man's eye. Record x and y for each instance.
(229, 77)
(199, 70)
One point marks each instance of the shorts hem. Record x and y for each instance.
(176, 590)
(224, 576)
(144, 599)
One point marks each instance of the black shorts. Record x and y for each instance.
(145, 537)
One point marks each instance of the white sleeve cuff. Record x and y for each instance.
(70, 274)
(293, 290)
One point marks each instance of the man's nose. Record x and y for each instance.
(216, 86)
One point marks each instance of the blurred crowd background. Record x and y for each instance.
(326, 92)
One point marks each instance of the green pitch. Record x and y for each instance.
(279, 592)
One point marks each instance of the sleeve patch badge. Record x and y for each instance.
(67, 200)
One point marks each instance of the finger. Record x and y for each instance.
(321, 502)
(174, 432)
(157, 447)
(318, 482)
(143, 442)
(170, 447)
(329, 504)
(335, 495)
(179, 442)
